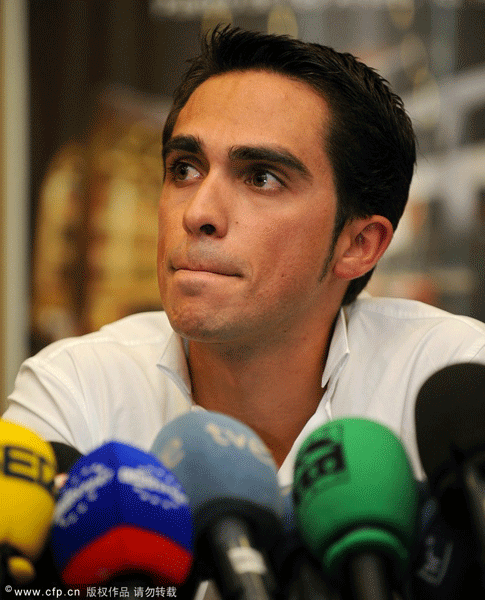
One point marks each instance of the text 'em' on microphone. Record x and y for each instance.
(356, 502)
(122, 518)
(231, 480)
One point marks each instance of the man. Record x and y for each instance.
(287, 168)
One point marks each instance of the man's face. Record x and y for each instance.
(247, 211)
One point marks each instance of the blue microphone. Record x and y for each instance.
(231, 480)
(121, 515)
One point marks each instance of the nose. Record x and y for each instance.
(206, 213)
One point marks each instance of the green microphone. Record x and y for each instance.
(356, 504)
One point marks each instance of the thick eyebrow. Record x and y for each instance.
(184, 143)
(276, 156)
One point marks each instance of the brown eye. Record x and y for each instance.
(264, 180)
(183, 171)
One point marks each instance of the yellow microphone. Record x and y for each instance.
(27, 498)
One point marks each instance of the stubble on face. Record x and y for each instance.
(275, 243)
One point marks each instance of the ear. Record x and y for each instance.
(360, 246)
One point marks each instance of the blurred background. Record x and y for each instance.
(85, 88)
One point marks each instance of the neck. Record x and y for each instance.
(274, 391)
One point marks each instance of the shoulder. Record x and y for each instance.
(128, 348)
(414, 332)
(136, 332)
(395, 345)
(103, 385)
(403, 308)
(394, 316)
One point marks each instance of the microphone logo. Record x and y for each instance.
(322, 462)
(84, 489)
(145, 478)
(226, 437)
(23, 463)
(437, 560)
(172, 453)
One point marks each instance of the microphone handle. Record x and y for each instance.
(14, 568)
(475, 488)
(241, 571)
(307, 583)
(368, 577)
(4, 553)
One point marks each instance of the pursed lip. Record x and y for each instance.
(214, 268)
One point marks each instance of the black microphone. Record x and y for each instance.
(298, 572)
(65, 455)
(450, 433)
(47, 576)
(443, 566)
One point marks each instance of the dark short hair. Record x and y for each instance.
(371, 142)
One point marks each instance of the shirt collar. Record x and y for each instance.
(173, 360)
(338, 353)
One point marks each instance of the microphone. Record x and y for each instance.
(231, 480)
(450, 413)
(66, 456)
(443, 566)
(356, 504)
(122, 517)
(298, 571)
(26, 499)
(47, 575)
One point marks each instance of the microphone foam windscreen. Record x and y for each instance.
(121, 511)
(354, 490)
(450, 417)
(218, 458)
(26, 495)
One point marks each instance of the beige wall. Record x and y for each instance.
(2, 204)
(14, 191)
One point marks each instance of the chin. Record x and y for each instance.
(194, 327)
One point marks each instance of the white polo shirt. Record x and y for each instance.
(130, 378)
